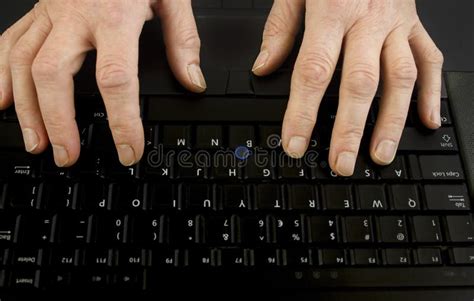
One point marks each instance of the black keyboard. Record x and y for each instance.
(199, 210)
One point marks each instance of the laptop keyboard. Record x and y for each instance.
(221, 196)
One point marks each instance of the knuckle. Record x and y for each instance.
(22, 54)
(351, 135)
(6, 38)
(404, 72)
(189, 38)
(434, 56)
(113, 73)
(45, 68)
(123, 129)
(276, 26)
(315, 70)
(395, 121)
(302, 119)
(362, 81)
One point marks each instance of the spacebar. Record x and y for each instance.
(326, 278)
(188, 109)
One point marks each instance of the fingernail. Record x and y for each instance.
(126, 155)
(197, 78)
(385, 151)
(297, 147)
(345, 164)
(436, 117)
(61, 156)
(261, 60)
(31, 139)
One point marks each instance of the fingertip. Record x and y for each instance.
(260, 63)
(196, 78)
(296, 147)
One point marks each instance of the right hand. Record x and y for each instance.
(41, 53)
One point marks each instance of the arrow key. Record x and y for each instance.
(128, 280)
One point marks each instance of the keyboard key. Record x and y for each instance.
(441, 168)
(241, 136)
(198, 196)
(25, 195)
(424, 141)
(26, 279)
(132, 258)
(65, 257)
(323, 229)
(358, 229)
(332, 257)
(290, 229)
(393, 229)
(239, 83)
(303, 197)
(222, 230)
(188, 230)
(371, 197)
(201, 258)
(460, 228)
(164, 197)
(337, 197)
(27, 258)
(269, 258)
(447, 197)
(176, 136)
(166, 258)
(301, 257)
(150, 229)
(290, 168)
(364, 169)
(397, 257)
(395, 171)
(445, 114)
(427, 229)
(277, 84)
(429, 256)
(404, 197)
(233, 197)
(269, 197)
(129, 280)
(8, 225)
(365, 257)
(462, 256)
(73, 228)
(109, 229)
(258, 230)
(60, 195)
(270, 137)
(234, 258)
(100, 258)
(11, 136)
(209, 137)
(129, 197)
(37, 229)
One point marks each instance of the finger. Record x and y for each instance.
(399, 73)
(53, 72)
(182, 43)
(359, 83)
(279, 35)
(7, 41)
(26, 101)
(429, 60)
(117, 77)
(313, 72)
